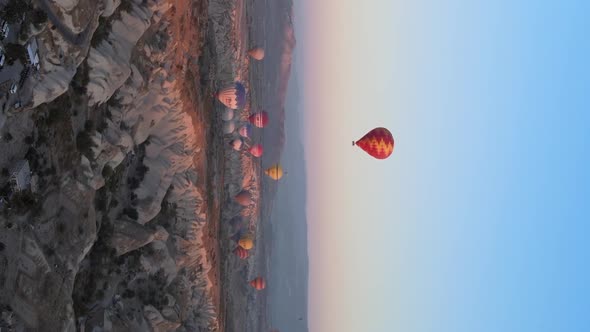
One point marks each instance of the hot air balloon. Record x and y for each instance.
(241, 252)
(258, 283)
(236, 144)
(257, 53)
(256, 150)
(259, 119)
(229, 127)
(227, 115)
(378, 143)
(244, 198)
(245, 130)
(232, 96)
(247, 241)
(275, 172)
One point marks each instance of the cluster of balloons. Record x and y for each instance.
(233, 97)
(245, 244)
(378, 143)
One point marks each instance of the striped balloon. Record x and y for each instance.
(241, 252)
(259, 119)
(232, 96)
(258, 283)
(275, 172)
(377, 143)
(245, 130)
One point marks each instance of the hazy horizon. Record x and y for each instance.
(289, 272)
(289, 258)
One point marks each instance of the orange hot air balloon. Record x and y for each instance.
(244, 198)
(257, 53)
(378, 143)
(241, 252)
(275, 172)
(246, 241)
(257, 150)
(258, 283)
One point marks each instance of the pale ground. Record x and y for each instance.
(186, 30)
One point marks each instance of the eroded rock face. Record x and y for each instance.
(157, 322)
(109, 60)
(130, 73)
(59, 61)
(67, 5)
(148, 126)
(129, 236)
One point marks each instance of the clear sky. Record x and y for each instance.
(480, 220)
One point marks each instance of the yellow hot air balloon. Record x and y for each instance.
(247, 241)
(275, 172)
(257, 53)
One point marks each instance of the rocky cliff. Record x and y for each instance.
(113, 71)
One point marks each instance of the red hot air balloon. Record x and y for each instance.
(258, 283)
(378, 143)
(259, 119)
(241, 252)
(257, 150)
(244, 198)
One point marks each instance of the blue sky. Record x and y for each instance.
(479, 220)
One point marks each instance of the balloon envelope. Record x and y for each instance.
(245, 130)
(229, 127)
(257, 53)
(378, 143)
(275, 172)
(246, 241)
(244, 198)
(232, 96)
(241, 252)
(256, 150)
(259, 119)
(227, 115)
(237, 143)
(258, 283)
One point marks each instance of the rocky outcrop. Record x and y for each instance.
(59, 61)
(129, 236)
(157, 321)
(148, 127)
(109, 60)
(67, 5)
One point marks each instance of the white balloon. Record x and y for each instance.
(229, 127)
(227, 115)
(237, 144)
